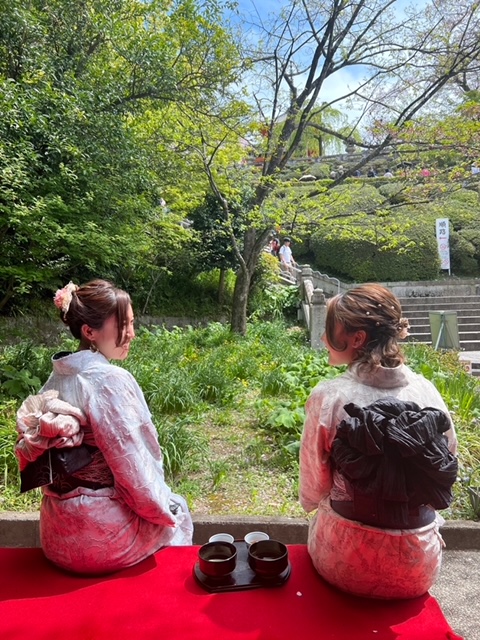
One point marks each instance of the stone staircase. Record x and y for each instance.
(467, 308)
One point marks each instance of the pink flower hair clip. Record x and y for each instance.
(63, 297)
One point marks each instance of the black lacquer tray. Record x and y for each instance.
(241, 578)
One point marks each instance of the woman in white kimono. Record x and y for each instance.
(362, 329)
(116, 510)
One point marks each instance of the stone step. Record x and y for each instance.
(465, 345)
(441, 306)
(463, 327)
(425, 313)
(467, 321)
(463, 335)
(422, 318)
(434, 299)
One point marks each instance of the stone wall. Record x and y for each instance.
(22, 529)
(450, 287)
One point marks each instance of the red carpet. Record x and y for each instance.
(159, 599)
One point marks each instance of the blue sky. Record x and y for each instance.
(264, 7)
(252, 11)
(341, 82)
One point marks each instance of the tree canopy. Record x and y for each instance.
(81, 178)
(123, 118)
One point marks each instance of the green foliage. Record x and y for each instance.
(394, 191)
(81, 90)
(183, 449)
(461, 393)
(271, 300)
(363, 261)
(23, 369)
(463, 258)
(460, 390)
(290, 384)
(274, 302)
(466, 240)
(215, 249)
(8, 436)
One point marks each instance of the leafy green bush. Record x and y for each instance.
(274, 302)
(363, 261)
(182, 448)
(291, 383)
(23, 368)
(8, 436)
(395, 192)
(463, 259)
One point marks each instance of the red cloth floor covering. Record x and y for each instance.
(159, 599)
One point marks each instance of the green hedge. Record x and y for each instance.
(362, 261)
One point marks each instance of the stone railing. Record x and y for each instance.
(313, 309)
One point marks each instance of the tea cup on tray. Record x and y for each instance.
(217, 559)
(268, 558)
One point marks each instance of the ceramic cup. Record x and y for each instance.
(268, 558)
(255, 536)
(221, 537)
(217, 559)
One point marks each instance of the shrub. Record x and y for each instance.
(472, 237)
(395, 192)
(462, 252)
(23, 369)
(363, 261)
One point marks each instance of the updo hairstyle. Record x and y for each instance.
(92, 304)
(375, 310)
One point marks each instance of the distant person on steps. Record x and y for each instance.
(287, 262)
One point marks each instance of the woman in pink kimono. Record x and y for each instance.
(114, 509)
(351, 545)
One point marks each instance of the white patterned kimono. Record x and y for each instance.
(101, 530)
(360, 559)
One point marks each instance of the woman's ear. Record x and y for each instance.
(87, 332)
(359, 339)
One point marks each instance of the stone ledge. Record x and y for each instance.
(22, 529)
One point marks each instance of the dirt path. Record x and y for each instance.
(242, 478)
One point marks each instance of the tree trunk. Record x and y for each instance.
(253, 243)
(240, 301)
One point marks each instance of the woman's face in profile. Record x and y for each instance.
(105, 338)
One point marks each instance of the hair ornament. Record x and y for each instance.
(403, 328)
(377, 324)
(367, 313)
(63, 297)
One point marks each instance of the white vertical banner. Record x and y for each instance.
(443, 235)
